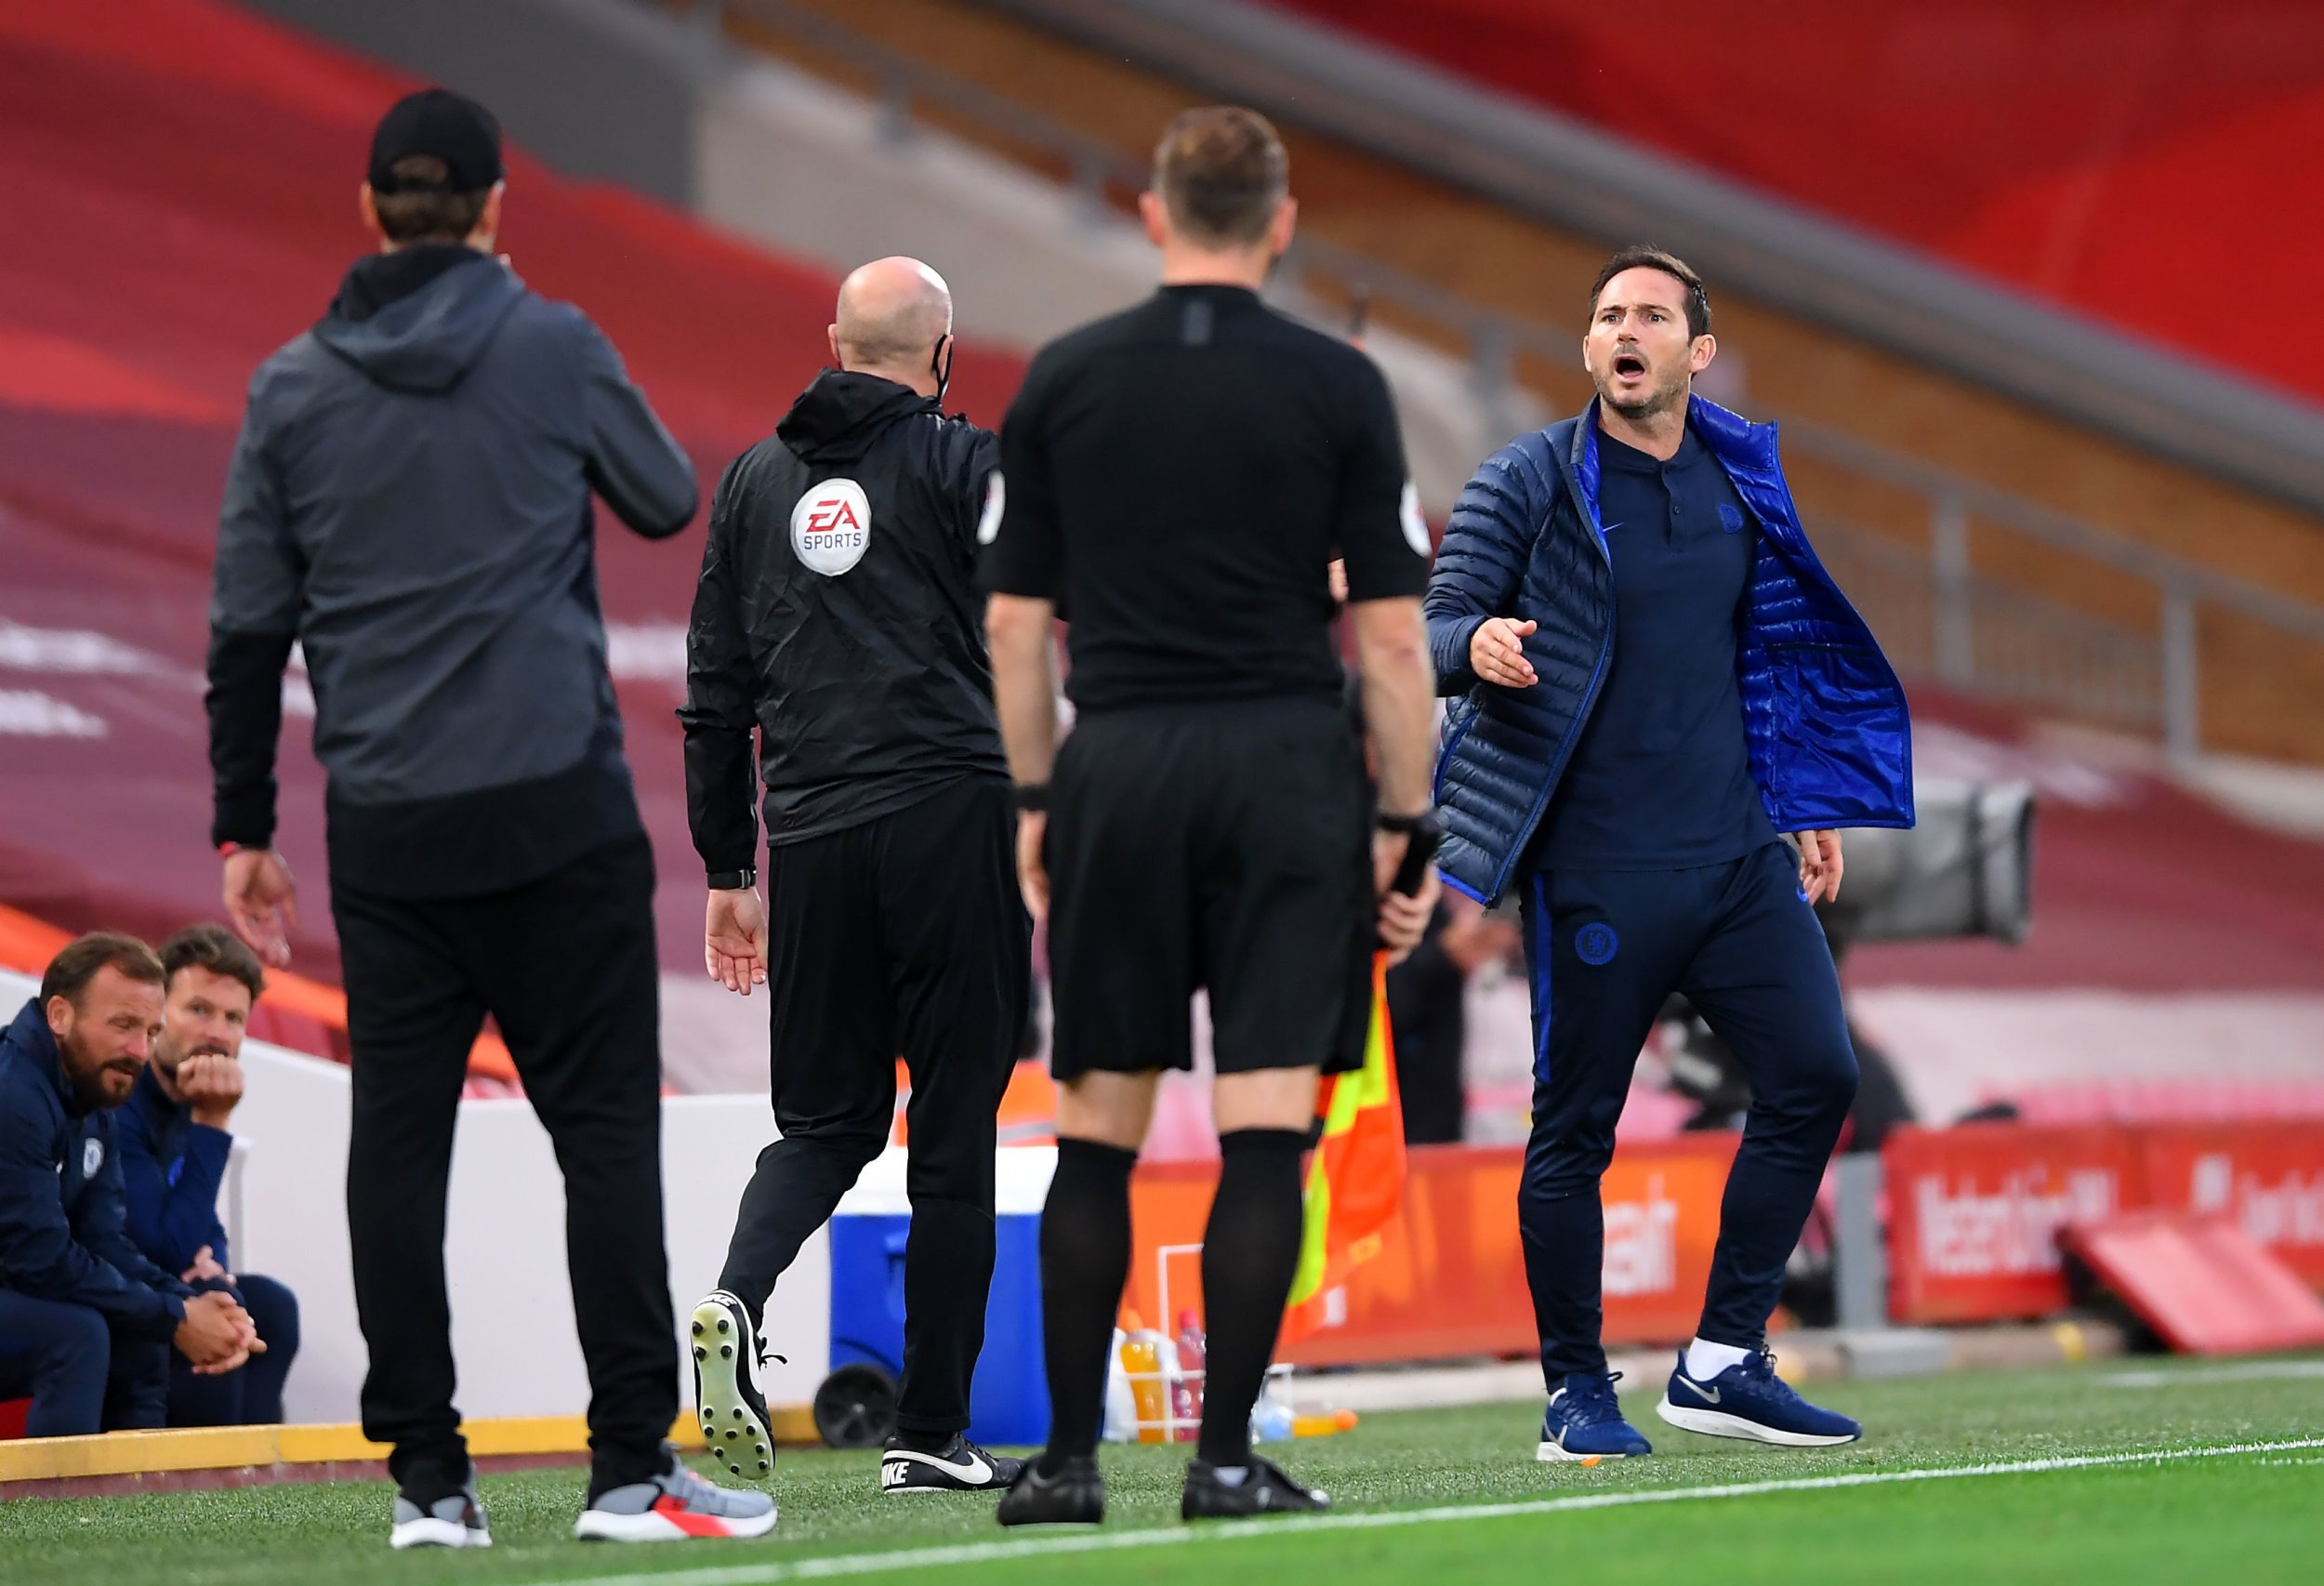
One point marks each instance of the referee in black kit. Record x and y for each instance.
(1175, 480)
(836, 615)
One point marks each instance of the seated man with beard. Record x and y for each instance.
(174, 1145)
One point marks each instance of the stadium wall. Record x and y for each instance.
(505, 1248)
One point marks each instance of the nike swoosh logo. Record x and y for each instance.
(1709, 1395)
(976, 1469)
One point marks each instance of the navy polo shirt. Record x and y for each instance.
(1661, 776)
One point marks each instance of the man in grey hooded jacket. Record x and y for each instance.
(409, 502)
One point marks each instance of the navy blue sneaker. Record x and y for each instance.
(1749, 1400)
(1584, 1424)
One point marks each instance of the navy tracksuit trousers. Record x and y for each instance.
(1606, 949)
(84, 1375)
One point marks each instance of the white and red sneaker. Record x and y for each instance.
(675, 1506)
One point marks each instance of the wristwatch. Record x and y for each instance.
(733, 880)
(1427, 821)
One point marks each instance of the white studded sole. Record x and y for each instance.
(730, 1429)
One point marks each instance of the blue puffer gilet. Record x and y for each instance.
(1830, 738)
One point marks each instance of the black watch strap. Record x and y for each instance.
(1427, 820)
(733, 880)
(1032, 797)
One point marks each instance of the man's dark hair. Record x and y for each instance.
(1644, 257)
(71, 971)
(430, 212)
(216, 949)
(1221, 171)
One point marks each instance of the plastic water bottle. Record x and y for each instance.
(1142, 1360)
(1186, 1382)
(1192, 1349)
(1270, 1420)
(1121, 1409)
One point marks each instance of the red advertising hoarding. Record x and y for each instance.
(2269, 1176)
(1449, 1276)
(1974, 1211)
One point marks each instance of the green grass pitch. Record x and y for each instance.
(2088, 1514)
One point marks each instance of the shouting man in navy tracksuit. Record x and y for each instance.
(1660, 680)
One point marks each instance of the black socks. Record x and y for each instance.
(1085, 1262)
(1250, 1252)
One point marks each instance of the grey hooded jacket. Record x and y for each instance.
(409, 500)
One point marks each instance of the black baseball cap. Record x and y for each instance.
(445, 126)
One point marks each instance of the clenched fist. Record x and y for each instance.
(211, 1083)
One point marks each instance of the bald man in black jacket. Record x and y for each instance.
(838, 615)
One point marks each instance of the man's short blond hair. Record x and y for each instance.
(1222, 172)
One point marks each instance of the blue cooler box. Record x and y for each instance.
(1009, 1398)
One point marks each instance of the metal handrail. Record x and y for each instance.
(2053, 528)
(1493, 338)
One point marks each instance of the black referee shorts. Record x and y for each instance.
(1223, 846)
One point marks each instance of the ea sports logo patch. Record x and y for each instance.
(1596, 944)
(1409, 520)
(996, 505)
(831, 526)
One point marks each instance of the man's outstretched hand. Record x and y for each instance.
(1496, 651)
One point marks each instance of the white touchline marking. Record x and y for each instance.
(2251, 1371)
(910, 1559)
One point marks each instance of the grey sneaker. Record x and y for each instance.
(672, 1507)
(454, 1522)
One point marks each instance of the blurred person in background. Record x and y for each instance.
(1660, 678)
(837, 618)
(87, 1324)
(1428, 981)
(409, 501)
(173, 1148)
(1427, 1012)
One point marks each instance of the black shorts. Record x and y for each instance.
(1222, 846)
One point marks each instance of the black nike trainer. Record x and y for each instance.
(1075, 1496)
(959, 1466)
(1264, 1489)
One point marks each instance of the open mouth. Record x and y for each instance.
(1629, 365)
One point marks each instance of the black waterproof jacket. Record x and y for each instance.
(838, 614)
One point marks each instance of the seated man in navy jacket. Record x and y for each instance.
(87, 1322)
(174, 1146)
